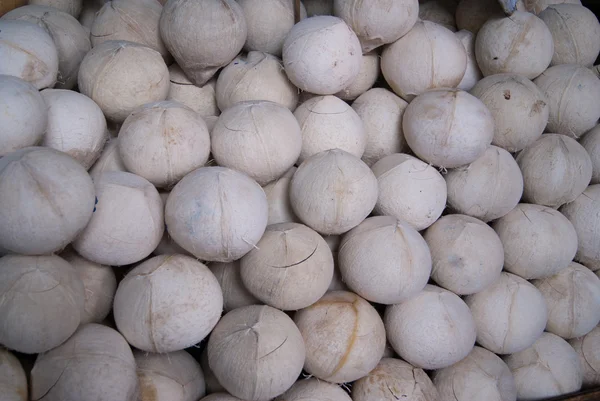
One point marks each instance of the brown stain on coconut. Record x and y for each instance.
(147, 388)
(351, 342)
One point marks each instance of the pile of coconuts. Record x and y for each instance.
(326, 200)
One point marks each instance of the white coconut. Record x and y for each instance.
(333, 191)
(314, 390)
(23, 118)
(201, 99)
(212, 384)
(217, 214)
(591, 143)
(337, 283)
(259, 138)
(28, 52)
(369, 72)
(330, 41)
(488, 188)
(537, 6)
(72, 7)
(46, 200)
(269, 344)
(13, 382)
(278, 196)
(410, 190)
(235, 294)
(572, 91)
(318, 7)
(472, 14)
(438, 11)
(95, 364)
(448, 128)
(220, 397)
(473, 73)
(588, 349)
(109, 160)
(167, 246)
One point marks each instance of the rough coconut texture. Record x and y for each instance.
(290, 268)
(333, 192)
(72, 7)
(13, 381)
(410, 190)
(381, 113)
(588, 349)
(109, 160)
(76, 125)
(510, 314)
(270, 346)
(127, 223)
(23, 115)
(71, 40)
(318, 7)
(95, 364)
(235, 294)
(59, 202)
(217, 214)
(314, 390)
(473, 73)
(212, 384)
(472, 14)
(520, 44)
(201, 99)
(537, 6)
(28, 52)
(164, 141)
(488, 188)
(255, 76)
(549, 368)
(480, 376)
(591, 143)
(572, 91)
(278, 197)
(519, 107)
(174, 319)
(369, 72)
(259, 138)
(322, 55)
(344, 337)
(448, 128)
(203, 36)
(438, 12)
(438, 60)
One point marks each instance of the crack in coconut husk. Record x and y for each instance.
(275, 349)
(352, 340)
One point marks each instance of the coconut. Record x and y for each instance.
(13, 382)
(167, 245)
(473, 73)
(438, 60)
(235, 294)
(591, 143)
(369, 72)
(46, 200)
(330, 41)
(588, 349)
(212, 384)
(488, 188)
(318, 7)
(259, 138)
(109, 160)
(448, 128)
(410, 190)
(472, 14)
(314, 390)
(278, 197)
(270, 345)
(438, 11)
(537, 6)
(88, 13)
(28, 52)
(333, 191)
(337, 283)
(220, 397)
(72, 7)
(201, 99)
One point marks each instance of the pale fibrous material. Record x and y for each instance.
(591, 143)
(13, 381)
(212, 384)
(314, 390)
(201, 99)
(588, 349)
(95, 364)
(167, 245)
(366, 78)
(278, 197)
(472, 14)
(72, 7)
(333, 192)
(439, 11)
(173, 320)
(235, 294)
(109, 160)
(537, 6)
(290, 268)
(344, 337)
(448, 128)
(217, 214)
(510, 314)
(473, 73)
(270, 346)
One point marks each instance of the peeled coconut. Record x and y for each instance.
(28, 52)
(212, 384)
(109, 160)
(314, 390)
(330, 41)
(473, 73)
(201, 99)
(72, 7)
(448, 128)
(537, 6)
(369, 72)
(167, 245)
(235, 294)
(472, 14)
(588, 349)
(591, 143)
(259, 138)
(268, 343)
(278, 197)
(333, 191)
(23, 118)
(438, 11)
(410, 190)
(13, 381)
(217, 214)
(95, 364)
(203, 36)
(488, 188)
(318, 7)
(438, 60)
(54, 204)
(344, 337)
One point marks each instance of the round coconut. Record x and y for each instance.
(591, 143)
(510, 314)
(344, 337)
(176, 319)
(519, 107)
(473, 73)
(28, 52)
(217, 214)
(588, 349)
(448, 128)
(127, 223)
(203, 36)
(332, 42)
(235, 294)
(43, 300)
(212, 384)
(290, 268)
(333, 191)
(109, 160)
(537, 6)
(438, 60)
(410, 190)
(318, 7)
(572, 91)
(369, 72)
(259, 138)
(549, 368)
(201, 99)
(314, 390)
(72, 7)
(438, 11)
(472, 14)
(13, 381)
(95, 364)
(167, 245)
(59, 196)
(270, 345)
(488, 188)
(278, 196)
(24, 117)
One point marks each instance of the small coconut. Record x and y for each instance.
(201, 99)
(472, 14)
(235, 294)
(318, 7)
(591, 143)
(314, 390)
(109, 160)
(438, 11)
(167, 245)
(212, 384)
(588, 349)
(473, 73)
(13, 381)
(537, 6)
(278, 196)
(369, 72)
(72, 7)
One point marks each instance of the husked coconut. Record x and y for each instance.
(369, 72)
(201, 99)
(167, 245)
(591, 143)
(13, 381)
(72, 7)
(212, 384)
(537, 6)
(472, 14)
(235, 294)
(314, 390)
(588, 349)
(438, 11)
(109, 160)
(278, 197)
(318, 7)
(337, 282)
(473, 73)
